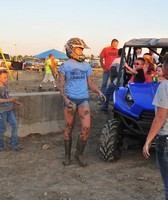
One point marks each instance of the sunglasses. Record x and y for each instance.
(137, 63)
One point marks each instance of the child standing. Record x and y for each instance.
(6, 113)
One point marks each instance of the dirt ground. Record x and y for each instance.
(36, 173)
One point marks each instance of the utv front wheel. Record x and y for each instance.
(111, 141)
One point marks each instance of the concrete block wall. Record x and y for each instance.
(41, 112)
(22, 75)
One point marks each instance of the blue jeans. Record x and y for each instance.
(75, 103)
(162, 160)
(10, 118)
(105, 78)
(108, 93)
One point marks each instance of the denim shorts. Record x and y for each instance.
(75, 103)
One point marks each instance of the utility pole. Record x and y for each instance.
(15, 52)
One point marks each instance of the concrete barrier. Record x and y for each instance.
(22, 75)
(41, 112)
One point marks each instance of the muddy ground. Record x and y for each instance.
(36, 173)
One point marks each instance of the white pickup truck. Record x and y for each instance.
(7, 58)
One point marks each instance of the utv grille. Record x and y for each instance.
(147, 115)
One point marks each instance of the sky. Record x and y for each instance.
(34, 26)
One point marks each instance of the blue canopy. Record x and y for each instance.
(57, 54)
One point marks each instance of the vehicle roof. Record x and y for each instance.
(147, 42)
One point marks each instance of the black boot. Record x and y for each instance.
(80, 146)
(67, 159)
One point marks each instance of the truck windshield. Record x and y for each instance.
(7, 57)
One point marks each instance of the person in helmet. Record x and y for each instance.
(74, 81)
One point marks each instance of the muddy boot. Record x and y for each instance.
(80, 146)
(67, 159)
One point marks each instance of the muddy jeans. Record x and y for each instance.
(4, 118)
(162, 159)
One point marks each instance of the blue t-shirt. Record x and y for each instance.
(7, 106)
(76, 73)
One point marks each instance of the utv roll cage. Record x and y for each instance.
(149, 43)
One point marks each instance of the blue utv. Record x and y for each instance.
(133, 111)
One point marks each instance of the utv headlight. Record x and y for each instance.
(129, 98)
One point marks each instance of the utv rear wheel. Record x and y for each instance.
(111, 141)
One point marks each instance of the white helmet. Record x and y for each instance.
(73, 43)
